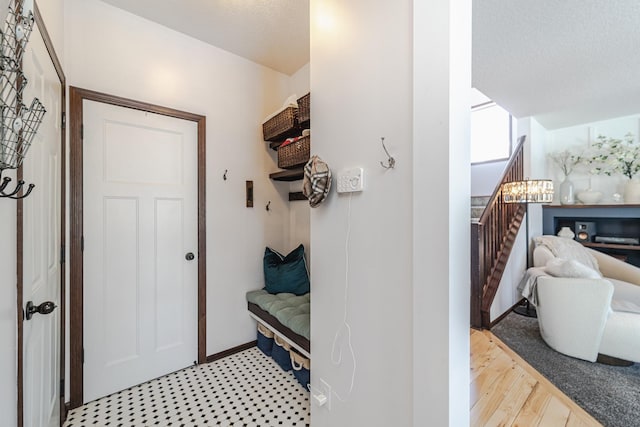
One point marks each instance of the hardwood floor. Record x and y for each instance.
(506, 391)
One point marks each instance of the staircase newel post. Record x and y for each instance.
(477, 274)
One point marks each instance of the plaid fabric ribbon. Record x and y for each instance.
(317, 181)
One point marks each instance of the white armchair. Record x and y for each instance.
(581, 317)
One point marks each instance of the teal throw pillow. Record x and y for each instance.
(286, 273)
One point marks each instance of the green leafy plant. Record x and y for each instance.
(612, 156)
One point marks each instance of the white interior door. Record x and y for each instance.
(41, 250)
(140, 222)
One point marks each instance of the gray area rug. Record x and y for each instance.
(611, 394)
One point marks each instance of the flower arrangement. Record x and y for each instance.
(566, 161)
(612, 155)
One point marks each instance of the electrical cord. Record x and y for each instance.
(336, 353)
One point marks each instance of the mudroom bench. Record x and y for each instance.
(286, 315)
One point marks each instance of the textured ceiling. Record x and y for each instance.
(564, 62)
(274, 33)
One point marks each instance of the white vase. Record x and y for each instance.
(632, 191)
(567, 196)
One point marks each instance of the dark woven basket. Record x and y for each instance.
(304, 109)
(294, 154)
(282, 125)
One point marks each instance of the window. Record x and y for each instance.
(490, 132)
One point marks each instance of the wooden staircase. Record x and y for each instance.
(492, 239)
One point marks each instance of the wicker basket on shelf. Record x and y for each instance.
(281, 125)
(294, 154)
(304, 109)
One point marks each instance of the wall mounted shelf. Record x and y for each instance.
(611, 246)
(275, 144)
(288, 175)
(296, 196)
(610, 220)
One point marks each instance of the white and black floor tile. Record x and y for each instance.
(247, 389)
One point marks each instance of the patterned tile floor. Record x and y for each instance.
(246, 389)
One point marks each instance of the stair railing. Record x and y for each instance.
(492, 238)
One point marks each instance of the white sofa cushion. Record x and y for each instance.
(626, 298)
(613, 268)
(621, 336)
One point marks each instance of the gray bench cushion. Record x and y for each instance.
(291, 310)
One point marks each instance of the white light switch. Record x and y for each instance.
(350, 180)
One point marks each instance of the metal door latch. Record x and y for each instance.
(45, 308)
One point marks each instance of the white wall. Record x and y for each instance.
(299, 82)
(535, 158)
(299, 211)
(507, 294)
(299, 222)
(578, 138)
(441, 226)
(52, 13)
(109, 50)
(372, 256)
(361, 91)
(485, 177)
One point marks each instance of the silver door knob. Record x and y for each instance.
(189, 256)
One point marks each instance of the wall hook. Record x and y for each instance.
(224, 176)
(268, 206)
(391, 162)
(13, 194)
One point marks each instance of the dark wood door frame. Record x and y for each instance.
(20, 236)
(76, 98)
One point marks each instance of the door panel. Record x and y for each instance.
(41, 242)
(125, 162)
(169, 222)
(140, 218)
(120, 299)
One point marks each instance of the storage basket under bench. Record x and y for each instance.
(285, 314)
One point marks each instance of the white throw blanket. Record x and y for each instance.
(565, 248)
(529, 282)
